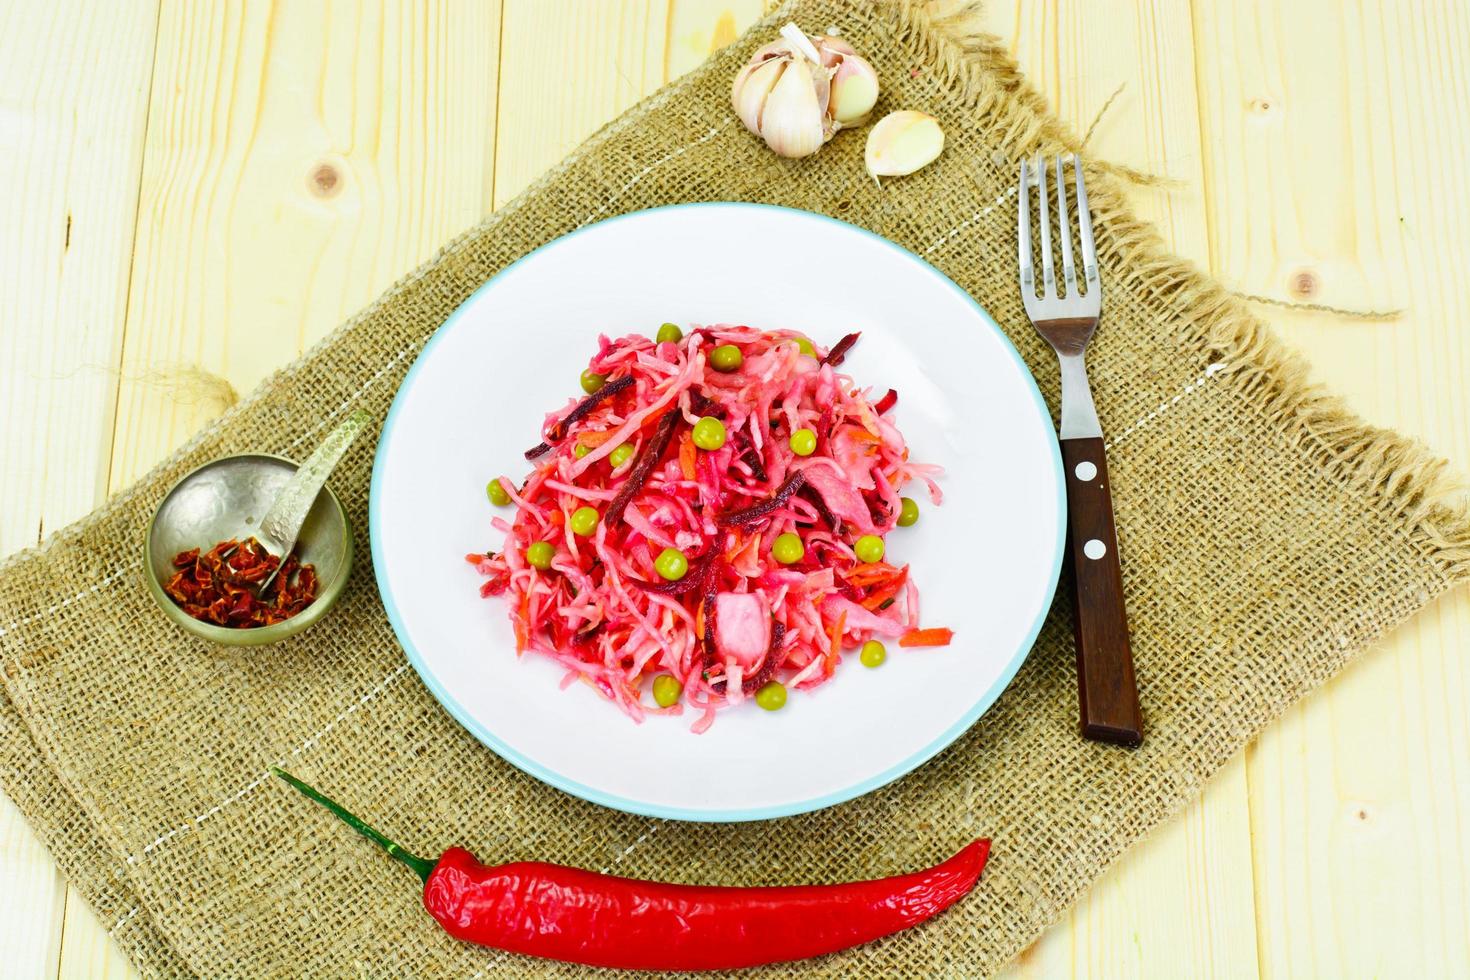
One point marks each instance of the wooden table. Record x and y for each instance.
(194, 193)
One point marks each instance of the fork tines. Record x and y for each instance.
(1051, 303)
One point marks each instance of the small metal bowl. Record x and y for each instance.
(226, 499)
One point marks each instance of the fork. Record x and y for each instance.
(1107, 691)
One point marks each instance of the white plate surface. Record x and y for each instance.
(986, 562)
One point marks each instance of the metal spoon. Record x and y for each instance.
(282, 523)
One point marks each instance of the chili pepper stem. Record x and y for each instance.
(422, 867)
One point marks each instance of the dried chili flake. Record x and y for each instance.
(219, 586)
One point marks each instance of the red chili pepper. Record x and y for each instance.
(578, 916)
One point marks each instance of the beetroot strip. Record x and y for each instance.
(711, 584)
(815, 499)
(750, 515)
(558, 430)
(836, 354)
(773, 660)
(886, 402)
(751, 458)
(647, 460)
(768, 666)
(701, 404)
(692, 578)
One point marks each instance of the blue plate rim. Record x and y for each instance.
(612, 800)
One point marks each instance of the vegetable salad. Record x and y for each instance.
(708, 525)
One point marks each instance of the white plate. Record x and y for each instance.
(986, 562)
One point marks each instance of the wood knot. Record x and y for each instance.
(325, 180)
(1260, 106)
(1305, 284)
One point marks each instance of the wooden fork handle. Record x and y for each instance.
(1106, 689)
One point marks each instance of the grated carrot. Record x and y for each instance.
(594, 439)
(830, 663)
(881, 595)
(686, 457)
(521, 621)
(934, 637)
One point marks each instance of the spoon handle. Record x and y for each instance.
(283, 522)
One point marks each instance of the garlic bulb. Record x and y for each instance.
(797, 92)
(902, 142)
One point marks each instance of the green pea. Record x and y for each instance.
(580, 450)
(591, 382)
(726, 357)
(869, 548)
(666, 690)
(803, 442)
(584, 521)
(497, 493)
(873, 654)
(908, 512)
(772, 696)
(669, 333)
(620, 455)
(805, 346)
(539, 555)
(671, 564)
(787, 548)
(709, 433)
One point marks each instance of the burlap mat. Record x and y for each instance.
(1269, 537)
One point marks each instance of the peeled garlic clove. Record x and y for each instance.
(752, 87)
(794, 120)
(902, 142)
(854, 90)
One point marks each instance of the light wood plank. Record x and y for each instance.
(568, 67)
(248, 249)
(87, 952)
(300, 158)
(1184, 896)
(698, 28)
(72, 155)
(1336, 140)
